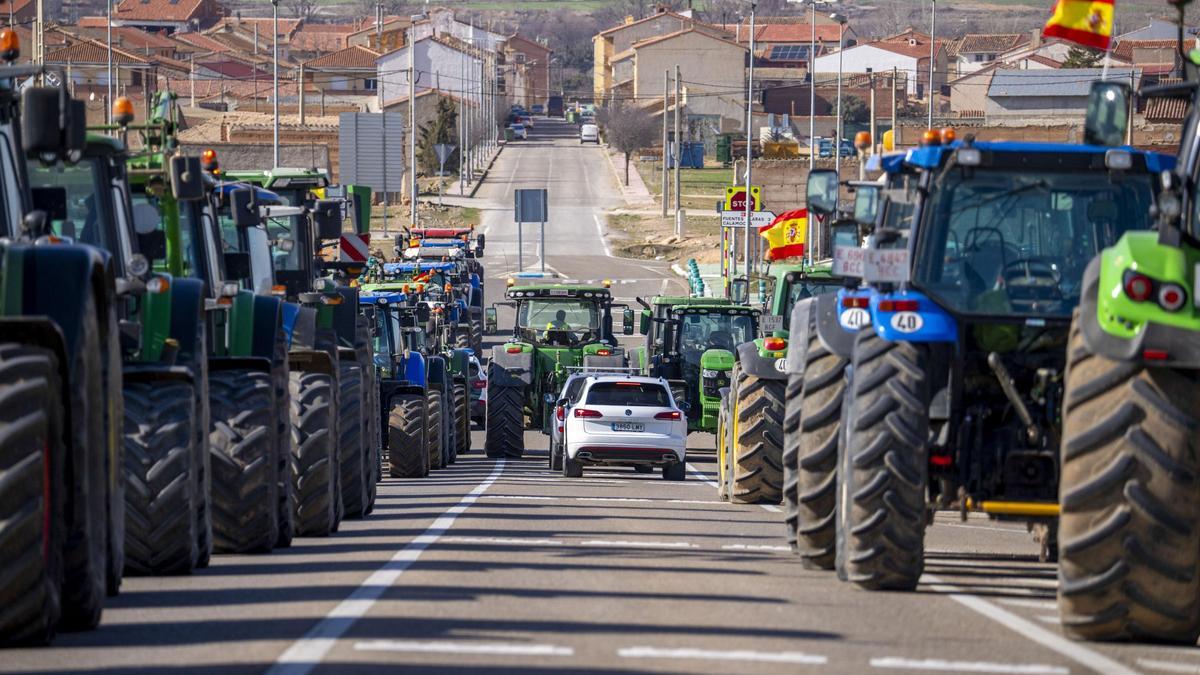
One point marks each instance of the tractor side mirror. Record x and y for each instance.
(237, 265)
(489, 321)
(480, 242)
(76, 131)
(1107, 113)
(866, 204)
(244, 207)
(739, 291)
(845, 234)
(39, 122)
(644, 324)
(327, 216)
(627, 321)
(187, 182)
(822, 191)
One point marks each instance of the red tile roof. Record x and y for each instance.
(89, 52)
(917, 51)
(1167, 109)
(787, 32)
(125, 37)
(982, 43)
(671, 36)
(286, 26)
(1044, 60)
(14, 6)
(234, 69)
(1124, 48)
(159, 10)
(325, 37)
(354, 57)
(201, 41)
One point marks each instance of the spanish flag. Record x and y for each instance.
(1085, 22)
(786, 234)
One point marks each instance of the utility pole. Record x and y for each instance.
(871, 80)
(191, 78)
(746, 257)
(837, 141)
(812, 91)
(678, 156)
(107, 108)
(412, 129)
(932, 45)
(300, 93)
(895, 129)
(275, 77)
(665, 182)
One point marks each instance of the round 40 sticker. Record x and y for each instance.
(781, 365)
(854, 318)
(907, 322)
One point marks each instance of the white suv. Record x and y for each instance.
(589, 133)
(620, 420)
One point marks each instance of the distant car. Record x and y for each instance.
(477, 377)
(589, 133)
(625, 421)
(587, 118)
(538, 109)
(568, 397)
(526, 119)
(519, 131)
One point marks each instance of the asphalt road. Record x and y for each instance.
(505, 567)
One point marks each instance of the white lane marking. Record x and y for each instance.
(639, 544)
(1169, 666)
(1049, 618)
(705, 502)
(772, 508)
(495, 649)
(713, 655)
(753, 547)
(543, 499)
(503, 540)
(895, 662)
(1072, 650)
(600, 233)
(1032, 604)
(701, 476)
(1005, 530)
(306, 653)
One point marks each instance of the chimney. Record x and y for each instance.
(1036, 39)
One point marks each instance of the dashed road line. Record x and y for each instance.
(1031, 604)
(491, 649)
(306, 653)
(771, 507)
(1169, 666)
(503, 540)
(741, 655)
(926, 665)
(1053, 641)
(638, 544)
(703, 477)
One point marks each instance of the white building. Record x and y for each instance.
(441, 64)
(910, 57)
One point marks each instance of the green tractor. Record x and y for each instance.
(558, 328)
(690, 342)
(60, 378)
(750, 421)
(332, 386)
(1129, 530)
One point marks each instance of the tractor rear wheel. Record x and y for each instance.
(1129, 532)
(724, 447)
(758, 443)
(477, 336)
(408, 456)
(282, 411)
(884, 470)
(161, 505)
(433, 428)
(242, 443)
(352, 442)
(462, 420)
(505, 435)
(314, 490)
(32, 466)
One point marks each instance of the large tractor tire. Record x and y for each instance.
(505, 427)
(282, 402)
(204, 514)
(352, 444)
(477, 337)
(1129, 532)
(462, 337)
(32, 494)
(85, 554)
(245, 497)
(314, 454)
(373, 424)
(462, 418)
(161, 482)
(408, 456)
(114, 427)
(884, 470)
(812, 473)
(758, 439)
(791, 454)
(433, 428)
(724, 448)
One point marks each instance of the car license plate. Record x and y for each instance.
(628, 426)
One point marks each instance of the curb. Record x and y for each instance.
(629, 199)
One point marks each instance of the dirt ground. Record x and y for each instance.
(650, 237)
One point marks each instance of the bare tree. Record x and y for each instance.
(628, 128)
(302, 9)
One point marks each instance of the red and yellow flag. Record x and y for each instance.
(1085, 22)
(786, 234)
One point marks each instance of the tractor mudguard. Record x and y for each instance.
(241, 325)
(347, 354)
(187, 308)
(801, 324)
(154, 372)
(759, 366)
(391, 388)
(44, 333)
(1172, 346)
(266, 321)
(312, 361)
(512, 370)
(256, 363)
(414, 368)
(345, 316)
(439, 376)
(836, 328)
(929, 323)
(300, 326)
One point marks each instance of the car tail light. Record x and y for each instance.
(515, 349)
(898, 305)
(584, 412)
(853, 303)
(1155, 354)
(774, 344)
(603, 352)
(1137, 286)
(558, 412)
(671, 415)
(1171, 297)
(479, 384)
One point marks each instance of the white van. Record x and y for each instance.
(589, 133)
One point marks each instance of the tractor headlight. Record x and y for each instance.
(710, 373)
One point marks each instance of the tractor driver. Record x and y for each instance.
(558, 330)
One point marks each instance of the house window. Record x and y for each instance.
(370, 84)
(520, 58)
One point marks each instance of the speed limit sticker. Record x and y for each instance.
(854, 318)
(907, 322)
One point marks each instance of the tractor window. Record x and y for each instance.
(558, 320)
(148, 214)
(632, 394)
(1016, 243)
(287, 227)
(699, 332)
(802, 288)
(88, 215)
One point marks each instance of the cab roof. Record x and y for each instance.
(411, 267)
(688, 300)
(933, 156)
(381, 297)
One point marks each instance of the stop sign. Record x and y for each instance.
(735, 199)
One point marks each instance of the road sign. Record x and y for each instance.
(355, 247)
(530, 206)
(735, 198)
(443, 152)
(738, 218)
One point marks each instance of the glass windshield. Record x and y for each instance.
(148, 215)
(88, 206)
(557, 321)
(805, 287)
(286, 228)
(1016, 243)
(632, 394)
(702, 331)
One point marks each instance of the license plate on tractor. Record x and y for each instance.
(628, 426)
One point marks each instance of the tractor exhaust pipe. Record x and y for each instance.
(1032, 432)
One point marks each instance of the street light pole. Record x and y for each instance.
(275, 79)
(746, 257)
(108, 103)
(932, 44)
(812, 91)
(412, 123)
(837, 141)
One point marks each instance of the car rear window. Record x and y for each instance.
(629, 393)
